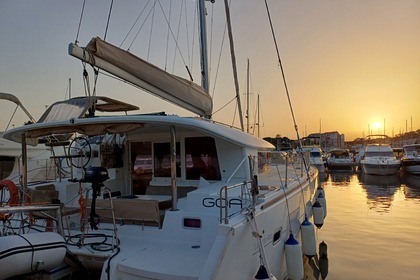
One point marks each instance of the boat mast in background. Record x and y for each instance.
(232, 55)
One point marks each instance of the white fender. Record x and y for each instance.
(318, 211)
(294, 261)
(322, 200)
(308, 238)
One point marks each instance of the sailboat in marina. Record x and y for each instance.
(157, 196)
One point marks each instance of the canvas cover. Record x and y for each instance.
(147, 76)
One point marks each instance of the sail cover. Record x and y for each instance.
(147, 76)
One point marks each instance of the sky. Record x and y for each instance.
(351, 66)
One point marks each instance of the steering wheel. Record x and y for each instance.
(80, 148)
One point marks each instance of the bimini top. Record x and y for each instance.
(136, 124)
(79, 107)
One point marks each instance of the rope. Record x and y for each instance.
(33, 269)
(86, 80)
(256, 233)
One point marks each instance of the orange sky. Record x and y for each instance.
(348, 64)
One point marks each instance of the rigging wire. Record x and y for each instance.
(186, 28)
(177, 37)
(221, 108)
(109, 17)
(219, 60)
(151, 29)
(287, 200)
(80, 23)
(135, 22)
(141, 27)
(216, 75)
(195, 24)
(176, 42)
(167, 35)
(285, 86)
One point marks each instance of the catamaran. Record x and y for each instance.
(157, 196)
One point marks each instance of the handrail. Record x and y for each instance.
(43, 176)
(28, 208)
(224, 190)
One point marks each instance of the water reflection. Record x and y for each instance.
(380, 190)
(317, 267)
(322, 177)
(412, 186)
(340, 177)
(370, 244)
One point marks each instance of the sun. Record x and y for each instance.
(376, 125)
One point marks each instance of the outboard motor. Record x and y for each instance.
(95, 175)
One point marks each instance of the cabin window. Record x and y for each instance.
(201, 159)
(162, 160)
(276, 237)
(315, 154)
(141, 164)
(379, 154)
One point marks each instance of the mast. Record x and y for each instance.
(203, 48)
(247, 97)
(258, 114)
(235, 72)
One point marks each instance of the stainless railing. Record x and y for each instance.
(224, 198)
(39, 208)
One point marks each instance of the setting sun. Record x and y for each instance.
(376, 125)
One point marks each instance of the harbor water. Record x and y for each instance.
(372, 227)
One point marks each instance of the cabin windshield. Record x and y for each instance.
(201, 159)
(162, 160)
(379, 154)
(315, 154)
(153, 160)
(343, 154)
(412, 150)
